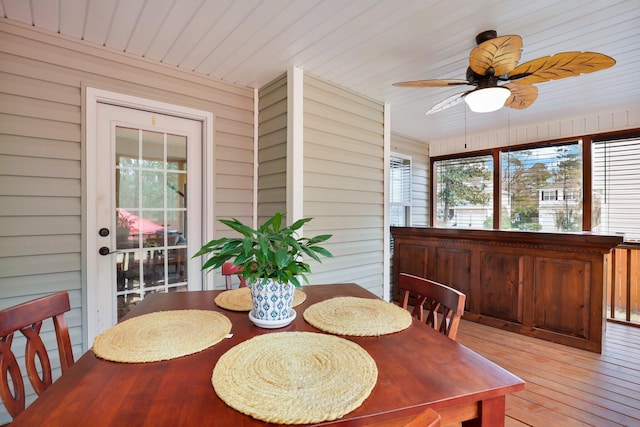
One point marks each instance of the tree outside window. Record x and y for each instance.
(543, 187)
(464, 192)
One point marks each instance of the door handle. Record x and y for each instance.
(105, 251)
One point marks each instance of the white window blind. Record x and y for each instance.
(400, 191)
(616, 188)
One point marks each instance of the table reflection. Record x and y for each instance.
(148, 263)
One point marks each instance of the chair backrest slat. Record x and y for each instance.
(444, 304)
(27, 318)
(229, 270)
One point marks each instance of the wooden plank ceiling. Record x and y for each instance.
(366, 45)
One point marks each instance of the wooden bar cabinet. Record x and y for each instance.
(546, 285)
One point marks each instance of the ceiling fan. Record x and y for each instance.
(494, 62)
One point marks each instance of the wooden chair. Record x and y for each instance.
(228, 270)
(426, 418)
(442, 301)
(27, 318)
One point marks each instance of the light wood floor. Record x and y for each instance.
(565, 387)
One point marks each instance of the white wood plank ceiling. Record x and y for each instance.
(366, 45)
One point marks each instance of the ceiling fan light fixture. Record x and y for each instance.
(488, 99)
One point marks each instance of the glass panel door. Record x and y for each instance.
(148, 210)
(151, 214)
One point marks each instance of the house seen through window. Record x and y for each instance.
(542, 188)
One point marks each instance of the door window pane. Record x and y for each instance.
(177, 152)
(127, 176)
(176, 188)
(152, 150)
(464, 192)
(152, 194)
(127, 147)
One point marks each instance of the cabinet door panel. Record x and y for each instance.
(410, 259)
(452, 267)
(501, 286)
(562, 296)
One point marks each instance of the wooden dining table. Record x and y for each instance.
(417, 368)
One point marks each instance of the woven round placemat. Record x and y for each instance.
(240, 299)
(295, 377)
(357, 316)
(162, 335)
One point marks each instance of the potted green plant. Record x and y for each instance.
(273, 261)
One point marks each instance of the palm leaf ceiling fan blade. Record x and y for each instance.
(447, 103)
(500, 54)
(432, 83)
(522, 96)
(495, 60)
(560, 66)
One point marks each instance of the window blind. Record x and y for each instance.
(616, 188)
(400, 191)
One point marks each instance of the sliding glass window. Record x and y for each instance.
(541, 188)
(464, 192)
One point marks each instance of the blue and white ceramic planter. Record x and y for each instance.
(272, 300)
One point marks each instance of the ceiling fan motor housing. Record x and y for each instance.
(487, 80)
(486, 35)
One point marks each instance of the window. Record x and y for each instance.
(464, 192)
(616, 187)
(400, 191)
(542, 188)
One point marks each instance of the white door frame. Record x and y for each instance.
(93, 96)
